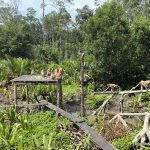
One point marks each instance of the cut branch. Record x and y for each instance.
(102, 107)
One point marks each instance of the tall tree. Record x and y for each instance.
(106, 44)
(141, 44)
(83, 15)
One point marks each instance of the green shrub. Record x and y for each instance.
(93, 101)
(70, 90)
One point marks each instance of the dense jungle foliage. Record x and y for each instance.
(115, 38)
(116, 41)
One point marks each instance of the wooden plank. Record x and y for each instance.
(23, 105)
(132, 114)
(82, 87)
(34, 79)
(96, 138)
(134, 91)
(107, 92)
(15, 94)
(59, 95)
(27, 98)
(123, 92)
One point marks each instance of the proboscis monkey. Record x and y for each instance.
(60, 73)
(144, 84)
(43, 73)
(113, 87)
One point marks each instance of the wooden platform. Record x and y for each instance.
(33, 79)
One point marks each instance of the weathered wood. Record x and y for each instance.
(123, 92)
(121, 103)
(33, 79)
(144, 135)
(15, 94)
(107, 92)
(23, 105)
(101, 109)
(59, 95)
(97, 139)
(132, 114)
(37, 79)
(27, 98)
(82, 81)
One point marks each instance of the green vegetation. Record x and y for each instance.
(35, 131)
(94, 101)
(116, 41)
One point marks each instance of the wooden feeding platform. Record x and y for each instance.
(35, 80)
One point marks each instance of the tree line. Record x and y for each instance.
(115, 38)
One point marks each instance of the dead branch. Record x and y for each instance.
(144, 135)
(119, 119)
(102, 107)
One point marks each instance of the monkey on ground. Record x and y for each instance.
(144, 84)
(113, 87)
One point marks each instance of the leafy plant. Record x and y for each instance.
(8, 135)
(93, 101)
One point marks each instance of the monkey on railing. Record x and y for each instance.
(143, 84)
(113, 87)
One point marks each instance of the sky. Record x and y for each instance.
(24, 4)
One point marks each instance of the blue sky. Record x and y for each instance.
(24, 4)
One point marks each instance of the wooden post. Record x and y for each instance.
(15, 94)
(82, 88)
(59, 95)
(121, 103)
(27, 98)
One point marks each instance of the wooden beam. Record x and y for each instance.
(24, 105)
(123, 92)
(59, 95)
(27, 97)
(15, 94)
(106, 92)
(132, 114)
(96, 138)
(82, 86)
